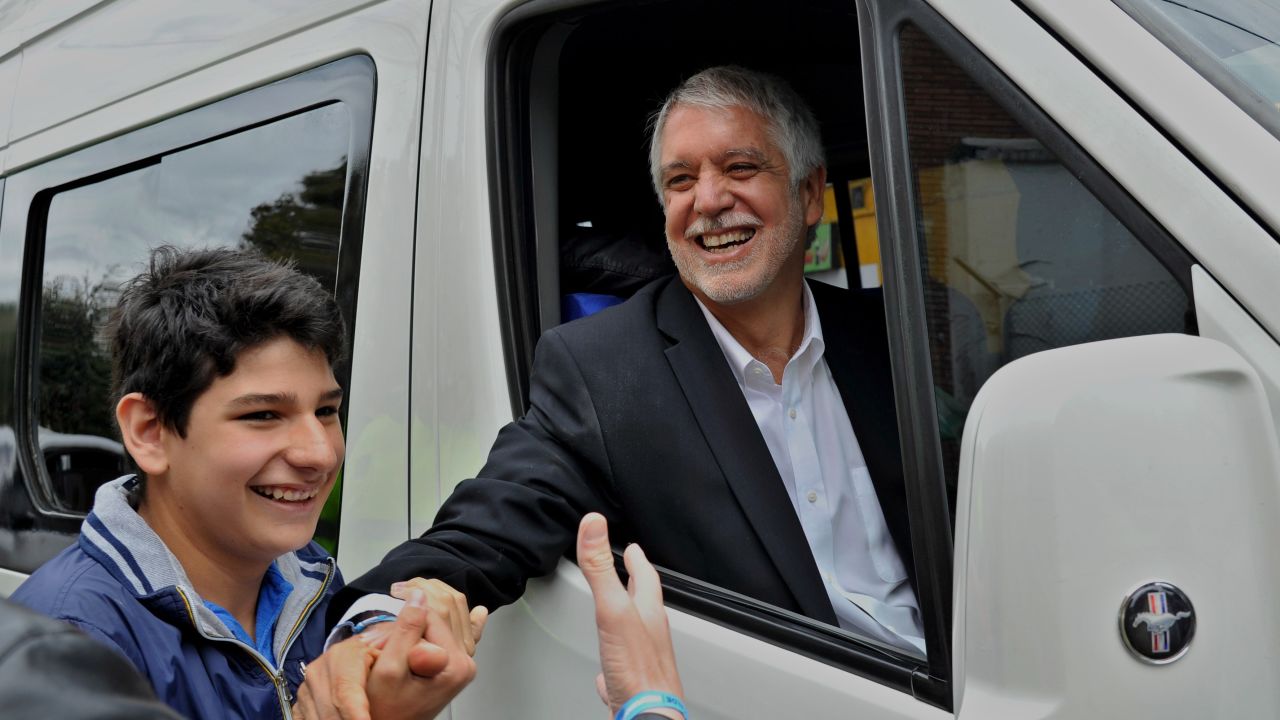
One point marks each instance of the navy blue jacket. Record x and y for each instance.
(122, 586)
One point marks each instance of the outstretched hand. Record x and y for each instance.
(411, 671)
(635, 640)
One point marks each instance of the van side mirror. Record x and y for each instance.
(1087, 472)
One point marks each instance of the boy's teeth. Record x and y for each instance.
(276, 493)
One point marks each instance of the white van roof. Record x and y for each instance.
(130, 47)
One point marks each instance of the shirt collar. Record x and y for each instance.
(741, 361)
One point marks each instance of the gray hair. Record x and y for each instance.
(791, 124)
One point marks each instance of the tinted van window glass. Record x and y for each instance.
(278, 188)
(1017, 255)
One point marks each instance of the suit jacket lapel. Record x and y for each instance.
(734, 438)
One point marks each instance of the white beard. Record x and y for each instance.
(728, 283)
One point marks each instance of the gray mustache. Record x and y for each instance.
(704, 225)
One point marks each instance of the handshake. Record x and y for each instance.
(413, 667)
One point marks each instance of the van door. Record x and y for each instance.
(1000, 235)
(1023, 203)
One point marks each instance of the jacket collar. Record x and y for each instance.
(116, 536)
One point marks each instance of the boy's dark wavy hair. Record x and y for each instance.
(182, 323)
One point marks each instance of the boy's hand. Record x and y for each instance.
(411, 671)
(635, 641)
(333, 687)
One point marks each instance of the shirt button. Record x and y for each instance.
(792, 413)
(812, 496)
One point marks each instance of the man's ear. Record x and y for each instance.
(812, 191)
(143, 433)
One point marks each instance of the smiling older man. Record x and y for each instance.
(736, 421)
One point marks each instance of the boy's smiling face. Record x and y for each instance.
(263, 446)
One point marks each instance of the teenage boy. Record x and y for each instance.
(201, 570)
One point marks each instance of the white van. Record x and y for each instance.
(1076, 237)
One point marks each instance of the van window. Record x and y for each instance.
(579, 216)
(280, 168)
(277, 188)
(1233, 43)
(1017, 256)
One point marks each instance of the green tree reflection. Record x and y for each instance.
(75, 365)
(305, 225)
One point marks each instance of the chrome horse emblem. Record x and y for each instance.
(1157, 623)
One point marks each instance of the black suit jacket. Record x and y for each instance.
(636, 414)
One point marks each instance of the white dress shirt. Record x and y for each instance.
(808, 432)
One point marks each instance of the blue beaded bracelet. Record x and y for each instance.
(359, 623)
(643, 702)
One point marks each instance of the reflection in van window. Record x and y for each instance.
(1238, 36)
(278, 188)
(1017, 255)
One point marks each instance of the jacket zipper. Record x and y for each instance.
(306, 612)
(277, 677)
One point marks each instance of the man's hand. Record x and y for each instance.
(635, 641)
(413, 677)
(466, 625)
(410, 672)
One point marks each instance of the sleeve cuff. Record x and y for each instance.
(369, 606)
